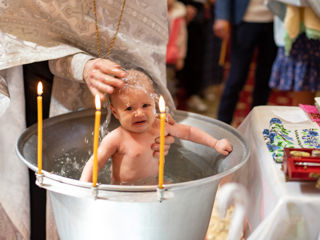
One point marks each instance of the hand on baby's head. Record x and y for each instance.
(223, 146)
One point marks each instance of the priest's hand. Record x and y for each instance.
(102, 76)
(168, 140)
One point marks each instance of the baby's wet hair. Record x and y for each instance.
(138, 79)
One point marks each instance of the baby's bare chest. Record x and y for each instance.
(137, 148)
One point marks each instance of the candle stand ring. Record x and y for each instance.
(160, 194)
(95, 191)
(39, 179)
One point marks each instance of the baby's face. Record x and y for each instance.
(135, 109)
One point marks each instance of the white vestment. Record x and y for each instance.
(32, 31)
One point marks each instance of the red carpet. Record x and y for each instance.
(244, 104)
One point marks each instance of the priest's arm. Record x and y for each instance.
(101, 75)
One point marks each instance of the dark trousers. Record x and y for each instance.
(190, 76)
(245, 38)
(32, 74)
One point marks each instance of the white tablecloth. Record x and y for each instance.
(277, 209)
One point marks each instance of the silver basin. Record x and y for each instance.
(130, 212)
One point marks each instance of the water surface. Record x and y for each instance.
(181, 165)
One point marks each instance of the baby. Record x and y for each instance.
(129, 144)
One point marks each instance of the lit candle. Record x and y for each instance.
(162, 107)
(39, 106)
(96, 141)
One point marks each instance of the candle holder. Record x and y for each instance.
(39, 178)
(95, 191)
(160, 194)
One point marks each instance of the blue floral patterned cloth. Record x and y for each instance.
(300, 70)
(277, 137)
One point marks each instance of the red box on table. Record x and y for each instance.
(305, 168)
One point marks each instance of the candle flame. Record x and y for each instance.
(40, 88)
(98, 103)
(162, 104)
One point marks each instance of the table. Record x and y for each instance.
(277, 209)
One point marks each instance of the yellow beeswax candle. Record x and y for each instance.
(39, 106)
(96, 141)
(223, 50)
(162, 107)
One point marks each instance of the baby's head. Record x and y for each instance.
(135, 79)
(134, 104)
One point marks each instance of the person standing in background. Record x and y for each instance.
(191, 76)
(251, 25)
(177, 43)
(297, 65)
(212, 71)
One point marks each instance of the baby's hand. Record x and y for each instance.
(223, 146)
